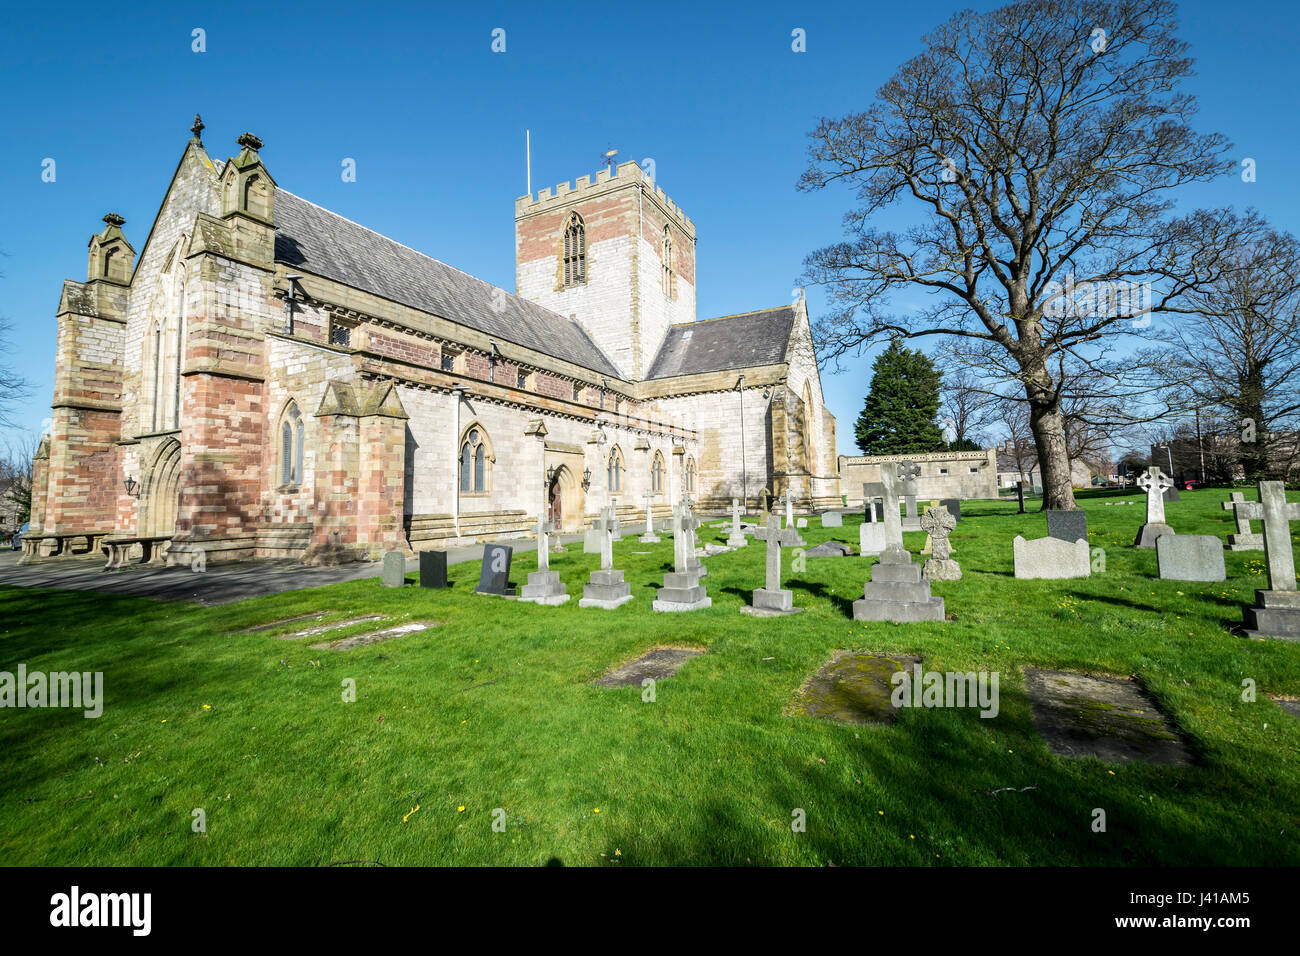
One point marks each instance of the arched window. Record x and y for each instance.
(575, 252)
(667, 258)
(614, 469)
(475, 461)
(690, 476)
(657, 474)
(155, 340)
(292, 432)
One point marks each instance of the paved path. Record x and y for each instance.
(219, 583)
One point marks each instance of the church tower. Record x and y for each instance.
(616, 254)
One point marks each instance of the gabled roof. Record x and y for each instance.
(734, 341)
(316, 240)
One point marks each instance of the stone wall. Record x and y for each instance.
(943, 474)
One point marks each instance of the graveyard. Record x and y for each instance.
(1119, 691)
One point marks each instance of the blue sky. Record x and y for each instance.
(435, 122)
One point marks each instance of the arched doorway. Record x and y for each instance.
(160, 492)
(555, 503)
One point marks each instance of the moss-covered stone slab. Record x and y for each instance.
(657, 664)
(375, 637)
(1110, 718)
(1292, 707)
(332, 626)
(853, 689)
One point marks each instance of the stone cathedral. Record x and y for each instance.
(265, 378)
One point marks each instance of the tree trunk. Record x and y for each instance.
(1053, 459)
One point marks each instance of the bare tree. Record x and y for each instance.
(1038, 143)
(13, 387)
(967, 406)
(1238, 351)
(16, 475)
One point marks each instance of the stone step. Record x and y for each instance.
(900, 612)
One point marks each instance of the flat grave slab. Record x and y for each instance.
(1109, 718)
(272, 625)
(657, 664)
(375, 637)
(1292, 707)
(853, 689)
(828, 549)
(332, 626)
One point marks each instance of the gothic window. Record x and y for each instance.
(614, 471)
(690, 476)
(180, 353)
(156, 361)
(449, 357)
(575, 252)
(475, 461)
(577, 392)
(657, 474)
(667, 259)
(292, 431)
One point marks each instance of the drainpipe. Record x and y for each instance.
(744, 475)
(461, 392)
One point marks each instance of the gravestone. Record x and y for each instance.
(854, 688)
(771, 599)
(649, 537)
(1020, 495)
(896, 591)
(1244, 539)
(1109, 718)
(908, 472)
(1155, 485)
(828, 549)
(692, 537)
(1190, 557)
(655, 665)
(1050, 558)
(494, 579)
(832, 519)
(911, 521)
(544, 585)
(394, 569)
(1276, 611)
(871, 533)
(736, 539)
(433, 569)
(1172, 494)
(893, 526)
(682, 590)
(938, 524)
(872, 510)
(953, 505)
(1068, 525)
(606, 588)
(801, 522)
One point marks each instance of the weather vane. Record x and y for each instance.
(607, 159)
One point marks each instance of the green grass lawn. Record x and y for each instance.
(494, 708)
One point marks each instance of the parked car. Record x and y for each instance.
(17, 543)
(1187, 484)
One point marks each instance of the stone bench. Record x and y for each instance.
(62, 544)
(120, 550)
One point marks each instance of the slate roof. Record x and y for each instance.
(316, 240)
(733, 341)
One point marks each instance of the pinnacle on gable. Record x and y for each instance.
(113, 219)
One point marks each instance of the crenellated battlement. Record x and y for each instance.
(584, 187)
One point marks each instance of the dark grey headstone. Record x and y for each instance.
(495, 576)
(1172, 494)
(433, 569)
(880, 511)
(1068, 525)
(828, 549)
(953, 505)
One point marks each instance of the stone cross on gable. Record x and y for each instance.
(1155, 485)
(938, 524)
(606, 524)
(776, 537)
(544, 529)
(1277, 514)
